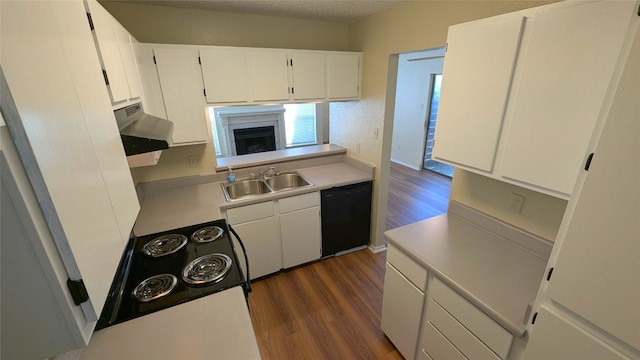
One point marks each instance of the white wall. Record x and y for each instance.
(412, 105)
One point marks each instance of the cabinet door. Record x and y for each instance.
(401, 311)
(128, 60)
(64, 164)
(152, 101)
(555, 337)
(182, 91)
(343, 76)
(308, 75)
(226, 75)
(109, 50)
(596, 274)
(562, 85)
(269, 78)
(300, 232)
(478, 68)
(262, 241)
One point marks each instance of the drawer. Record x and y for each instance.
(248, 213)
(437, 347)
(299, 202)
(478, 323)
(409, 268)
(465, 341)
(424, 356)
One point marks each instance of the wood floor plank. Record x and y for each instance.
(415, 195)
(331, 309)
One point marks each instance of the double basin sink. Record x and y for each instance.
(242, 189)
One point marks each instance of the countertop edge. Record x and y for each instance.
(250, 160)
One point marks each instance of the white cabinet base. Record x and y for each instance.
(401, 308)
(555, 337)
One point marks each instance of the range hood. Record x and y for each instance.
(141, 132)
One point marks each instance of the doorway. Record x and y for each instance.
(434, 101)
(416, 100)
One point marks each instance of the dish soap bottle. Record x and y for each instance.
(231, 177)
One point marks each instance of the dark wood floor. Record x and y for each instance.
(415, 195)
(331, 309)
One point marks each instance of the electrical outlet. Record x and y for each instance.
(358, 147)
(376, 133)
(515, 203)
(195, 161)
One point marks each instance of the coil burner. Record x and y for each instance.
(154, 287)
(164, 245)
(207, 234)
(206, 269)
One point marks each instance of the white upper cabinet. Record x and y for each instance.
(182, 92)
(269, 77)
(344, 75)
(225, 72)
(116, 55)
(565, 73)
(596, 274)
(152, 101)
(125, 44)
(239, 76)
(529, 114)
(308, 73)
(478, 67)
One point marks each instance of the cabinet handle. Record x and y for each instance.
(588, 164)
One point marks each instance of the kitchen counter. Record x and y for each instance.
(198, 329)
(496, 267)
(170, 207)
(257, 159)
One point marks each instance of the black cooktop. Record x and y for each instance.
(136, 266)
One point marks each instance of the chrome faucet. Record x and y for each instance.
(271, 171)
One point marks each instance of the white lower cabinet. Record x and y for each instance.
(402, 301)
(437, 347)
(258, 228)
(300, 229)
(464, 329)
(556, 337)
(280, 234)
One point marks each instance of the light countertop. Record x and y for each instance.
(196, 330)
(303, 152)
(499, 276)
(166, 208)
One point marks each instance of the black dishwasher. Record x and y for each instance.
(346, 217)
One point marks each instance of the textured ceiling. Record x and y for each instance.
(326, 10)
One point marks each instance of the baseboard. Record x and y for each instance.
(407, 165)
(377, 249)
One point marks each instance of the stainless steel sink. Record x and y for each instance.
(245, 188)
(242, 189)
(287, 181)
